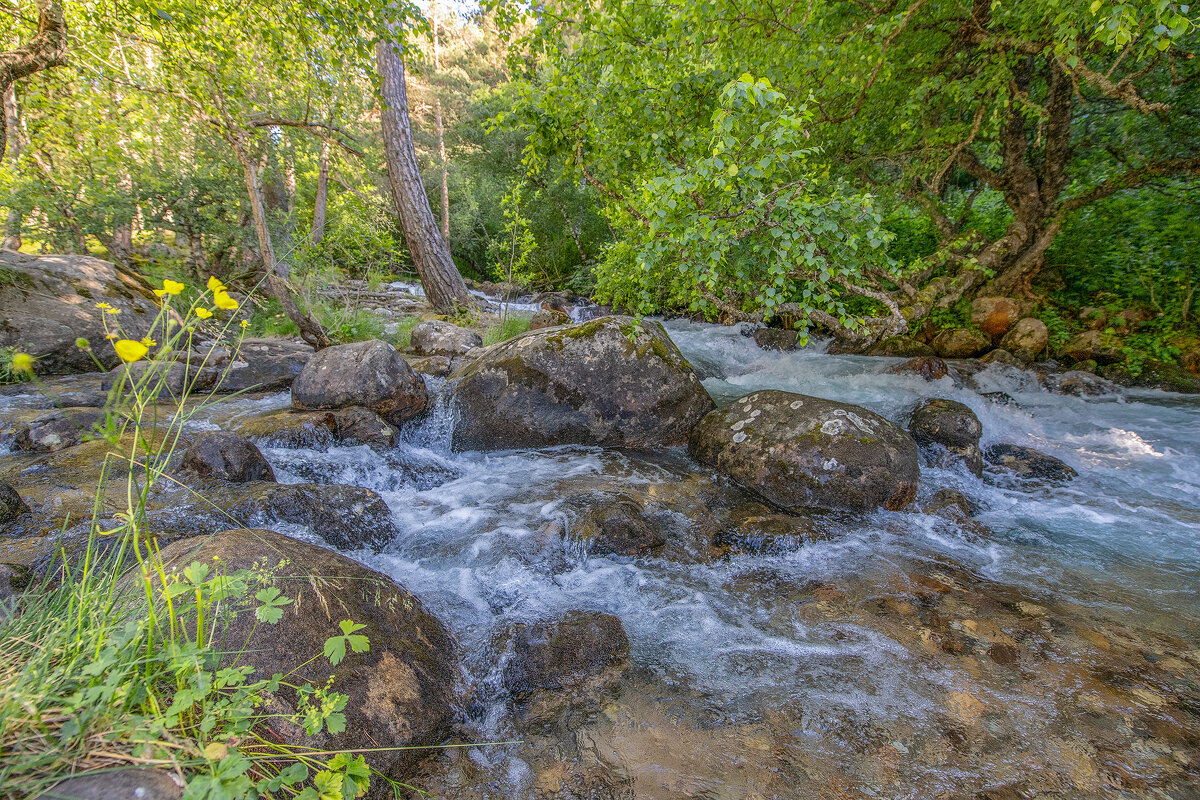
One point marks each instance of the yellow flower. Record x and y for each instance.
(113, 311)
(222, 300)
(215, 285)
(103, 306)
(22, 362)
(245, 324)
(203, 313)
(130, 350)
(110, 336)
(172, 287)
(149, 342)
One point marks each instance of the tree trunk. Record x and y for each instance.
(443, 284)
(310, 330)
(197, 264)
(48, 48)
(322, 200)
(12, 121)
(437, 115)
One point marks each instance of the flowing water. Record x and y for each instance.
(1050, 647)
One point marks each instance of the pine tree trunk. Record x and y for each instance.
(322, 200)
(443, 284)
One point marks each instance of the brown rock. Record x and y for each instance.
(960, 343)
(1027, 339)
(370, 374)
(548, 318)
(226, 456)
(931, 368)
(775, 339)
(995, 315)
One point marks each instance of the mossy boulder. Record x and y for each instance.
(1027, 339)
(370, 374)
(1029, 464)
(608, 382)
(801, 452)
(400, 690)
(960, 343)
(950, 431)
(901, 347)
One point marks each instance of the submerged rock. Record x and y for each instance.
(1025, 462)
(951, 426)
(436, 338)
(370, 374)
(931, 368)
(775, 339)
(951, 504)
(603, 382)
(226, 456)
(288, 428)
(47, 302)
(400, 690)
(574, 659)
(798, 452)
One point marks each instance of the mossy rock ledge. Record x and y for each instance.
(799, 452)
(603, 382)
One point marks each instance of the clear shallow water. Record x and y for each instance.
(756, 675)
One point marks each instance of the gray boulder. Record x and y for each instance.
(370, 374)
(263, 365)
(775, 339)
(1027, 339)
(436, 338)
(47, 302)
(57, 430)
(798, 452)
(548, 318)
(604, 382)
(122, 784)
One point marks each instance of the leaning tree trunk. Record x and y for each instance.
(310, 330)
(443, 284)
(12, 122)
(48, 48)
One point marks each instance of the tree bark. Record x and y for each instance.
(12, 122)
(321, 203)
(444, 287)
(441, 139)
(310, 330)
(48, 48)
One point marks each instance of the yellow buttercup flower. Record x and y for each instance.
(129, 350)
(103, 306)
(149, 342)
(172, 287)
(215, 285)
(22, 362)
(245, 324)
(222, 300)
(203, 313)
(113, 311)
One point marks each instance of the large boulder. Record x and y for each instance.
(1026, 339)
(11, 504)
(960, 343)
(227, 456)
(436, 338)
(400, 690)
(574, 659)
(47, 302)
(799, 452)
(995, 315)
(608, 382)
(951, 429)
(370, 374)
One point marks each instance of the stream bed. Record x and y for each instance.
(1047, 648)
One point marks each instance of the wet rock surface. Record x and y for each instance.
(226, 456)
(263, 365)
(960, 343)
(902, 347)
(58, 429)
(11, 504)
(403, 685)
(598, 383)
(931, 368)
(952, 427)
(437, 338)
(1025, 462)
(798, 452)
(617, 525)
(775, 339)
(370, 374)
(574, 659)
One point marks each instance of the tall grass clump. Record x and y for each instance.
(116, 659)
